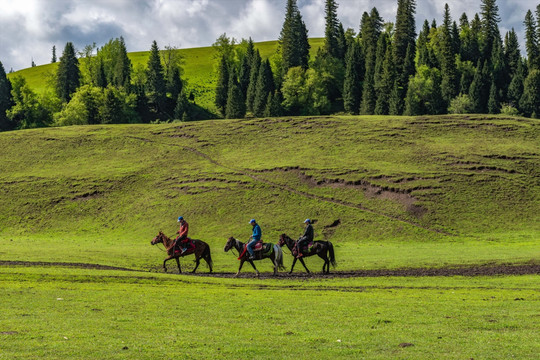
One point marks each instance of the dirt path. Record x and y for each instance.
(464, 270)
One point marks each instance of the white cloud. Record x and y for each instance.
(29, 28)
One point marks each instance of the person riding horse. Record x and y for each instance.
(305, 239)
(255, 237)
(182, 240)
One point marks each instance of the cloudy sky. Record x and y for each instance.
(29, 28)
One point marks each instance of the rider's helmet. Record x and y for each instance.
(252, 221)
(307, 221)
(180, 218)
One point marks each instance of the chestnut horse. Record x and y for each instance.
(202, 250)
(276, 255)
(324, 249)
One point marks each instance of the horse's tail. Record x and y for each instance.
(332, 255)
(208, 256)
(279, 256)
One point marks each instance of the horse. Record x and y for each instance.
(276, 255)
(202, 250)
(324, 249)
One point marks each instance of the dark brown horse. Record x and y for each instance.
(202, 250)
(276, 255)
(324, 249)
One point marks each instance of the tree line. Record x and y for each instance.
(101, 86)
(387, 68)
(463, 66)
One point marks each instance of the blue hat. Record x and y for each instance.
(252, 221)
(180, 218)
(307, 221)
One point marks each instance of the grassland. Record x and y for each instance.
(443, 191)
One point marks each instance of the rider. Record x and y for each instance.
(305, 239)
(182, 238)
(255, 237)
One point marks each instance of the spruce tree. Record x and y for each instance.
(331, 30)
(479, 91)
(236, 105)
(253, 76)
(449, 85)
(53, 60)
(182, 106)
(245, 68)
(531, 41)
(530, 101)
(352, 84)
(515, 90)
(273, 106)
(387, 81)
(122, 66)
(222, 88)
(265, 85)
(155, 85)
(293, 39)
(423, 56)
(512, 53)
(369, 37)
(490, 28)
(67, 74)
(6, 100)
(494, 107)
(174, 83)
(111, 108)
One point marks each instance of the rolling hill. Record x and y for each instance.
(387, 191)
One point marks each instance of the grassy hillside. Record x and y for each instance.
(407, 191)
(199, 70)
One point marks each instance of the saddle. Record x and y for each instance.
(259, 249)
(305, 249)
(188, 243)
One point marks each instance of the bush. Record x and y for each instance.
(461, 104)
(508, 109)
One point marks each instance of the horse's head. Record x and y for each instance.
(229, 244)
(281, 241)
(158, 239)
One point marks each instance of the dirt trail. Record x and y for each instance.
(464, 270)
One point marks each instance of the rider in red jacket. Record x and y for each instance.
(182, 238)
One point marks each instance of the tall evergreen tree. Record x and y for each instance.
(494, 107)
(6, 100)
(273, 105)
(449, 85)
(122, 66)
(490, 28)
(155, 85)
(236, 105)
(245, 68)
(515, 90)
(371, 28)
(479, 91)
(512, 53)
(111, 108)
(67, 74)
(222, 88)
(182, 109)
(530, 101)
(293, 39)
(384, 88)
(265, 86)
(174, 83)
(352, 84)
(531, 41)
(253, 76)
(53, 60)
(331, 30)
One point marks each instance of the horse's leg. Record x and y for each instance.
(292, 267)
(208, 262)
(303, 263)
(197, 262)
(240, 267)
(165, 261)
(326, 264)
(275, 262)
(178, 263)
(252, 264)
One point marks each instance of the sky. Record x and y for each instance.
(30, 28)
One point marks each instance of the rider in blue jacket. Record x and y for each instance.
(256, 236)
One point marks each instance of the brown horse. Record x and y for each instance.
(324, 249)
(202, 250)
(276, 255)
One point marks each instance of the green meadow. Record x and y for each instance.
(409, 192)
